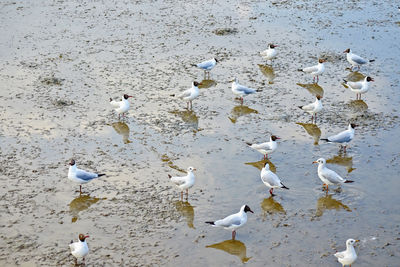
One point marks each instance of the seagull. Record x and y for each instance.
(121, 106)
(241, 90)
(313, 108)
(348, 256)
(316, 70)
(80, 176)
(342, 137)
(328, 176)
(267, 147)
(184, 182)
(190, 94)
(269, 53)
(355, 60)
(234, 221)
(270, 179)
(360, 87)
(207, 66)
(79, 249)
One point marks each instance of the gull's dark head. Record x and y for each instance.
(196, 83)
(370, 79)
(127, 96)
(347, 50)
(82, 237)
(272, 46)
(352, 125)
(321, 60)
(274, 138)
(319, 97)
(72, 162)
(247, 208)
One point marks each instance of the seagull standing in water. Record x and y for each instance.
(121, 107)
(316, 70)
(360, 87)
(79, 249)
(207, 66)
(190, 94)
(184, 182)
(349, 256)
(313, 108)
(342, 137)
(267, 147)
(241, 90)
(80, 176)
(328, 176)
(234, 221)
(269, 53)
(270, 179)
(355, 60)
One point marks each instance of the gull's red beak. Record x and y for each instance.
(86, 236)
(314, 162)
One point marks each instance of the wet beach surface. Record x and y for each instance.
(62, 60)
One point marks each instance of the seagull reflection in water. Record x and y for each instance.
(81, 203)
(233, 247)
(239, 111)
(186, 210)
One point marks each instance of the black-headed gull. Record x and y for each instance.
(184, 182)
(207, 66)
(270, 179)
(342, 137)
(328, 176)
(359, 87)
(79, 249)
(313, 108)
(349, 256)
(234, 221)
(190, 94)
(270, 52)
(80, 176)
(316, 70)
(241, 90)
(121, 107)
(355, 60)
(267, 147)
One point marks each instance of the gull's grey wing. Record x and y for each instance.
(339, 255)
(311, 69)
(115, 104)
(206, 64)
(84, 175)
(185, 93)
(343, 137)
(245, 89)
(265, 146)
(332, 176)
(229, 221)
(355, 85)
(358, 59)
(271, 178)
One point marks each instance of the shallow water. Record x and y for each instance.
(62, 60)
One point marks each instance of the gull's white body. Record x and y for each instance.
(80, 176)
(348, 256)
(121, 106)
(234, 221)
(79, 249)
(265, 148)
(360, 87)
(190, 94)
(355, 60)
(313, 108)
(328, 176)
(342, 137)
(269, 53)
(207, 65)
(241, 90)
(315, 70)
(184, 182)
(269, 178)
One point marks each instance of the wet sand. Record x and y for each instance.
(62, 60)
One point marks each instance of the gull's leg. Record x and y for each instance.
(181, 195)
(344, 148)
(270, 191)
(233, 234)
(187, 194)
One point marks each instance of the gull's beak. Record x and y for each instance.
(194, 169)
(314, 162)
(372, 79)
(86, 236)
(278, 138)
(357, 240)
(251, 211)
(129, 96)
